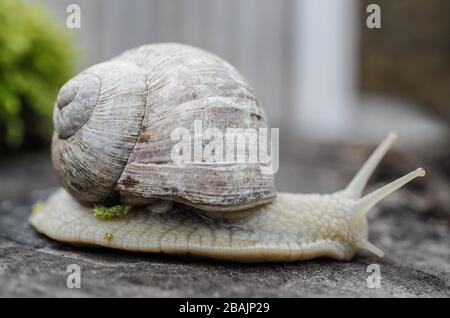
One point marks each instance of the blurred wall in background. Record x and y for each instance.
(410, 55)
(302, 57)
(253, 35)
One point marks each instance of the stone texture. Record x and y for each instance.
(412, 231)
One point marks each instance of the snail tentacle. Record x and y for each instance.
(366, 245)
(364, 204)
(359, 181)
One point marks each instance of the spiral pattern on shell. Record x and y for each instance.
(114, 120)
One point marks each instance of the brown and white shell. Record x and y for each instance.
(113, 123)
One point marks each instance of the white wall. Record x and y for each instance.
(326, 44)
(298, 55)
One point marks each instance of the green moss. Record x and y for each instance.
(36, 58)
(108, 213)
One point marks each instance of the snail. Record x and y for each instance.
(112, 145)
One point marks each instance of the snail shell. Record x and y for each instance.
(113, 123)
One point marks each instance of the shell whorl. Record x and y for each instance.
(113, 123)
(96, 129)
(75, 102)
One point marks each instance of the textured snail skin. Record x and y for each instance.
(292, 227)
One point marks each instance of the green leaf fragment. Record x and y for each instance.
(108, 213)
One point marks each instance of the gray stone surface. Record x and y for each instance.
(412, 231)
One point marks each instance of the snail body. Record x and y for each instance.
(111, 144)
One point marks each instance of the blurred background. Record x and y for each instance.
(317, 68)
(334, 86)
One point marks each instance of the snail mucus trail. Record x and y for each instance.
(98, 147)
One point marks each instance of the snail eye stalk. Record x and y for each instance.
(363, 205)
(359, 181)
